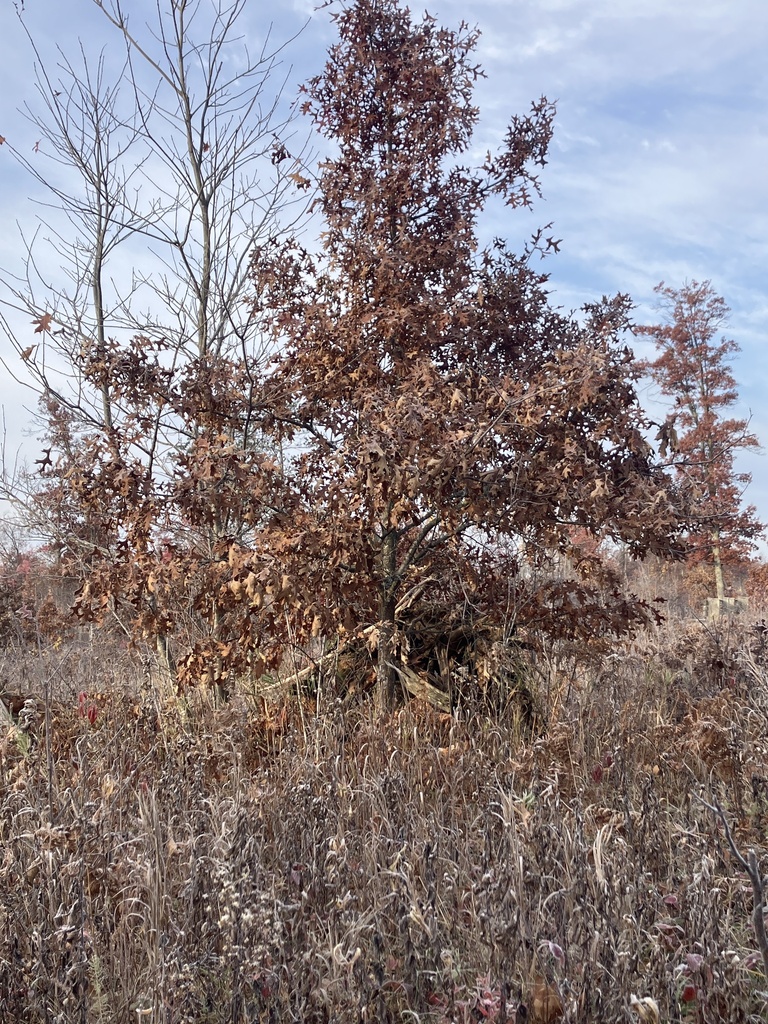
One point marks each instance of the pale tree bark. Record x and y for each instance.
(717, 562)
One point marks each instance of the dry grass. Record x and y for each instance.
(172, 862)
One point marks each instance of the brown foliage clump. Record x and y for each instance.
(429, 428)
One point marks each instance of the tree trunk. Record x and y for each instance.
(386, 676)
(166, 661)
(718, 565)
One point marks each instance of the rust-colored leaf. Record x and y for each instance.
(43, 323)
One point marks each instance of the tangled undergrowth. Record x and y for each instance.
(167, 861)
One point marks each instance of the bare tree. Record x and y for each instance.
(162, 169)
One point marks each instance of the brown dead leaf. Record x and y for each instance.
(45, 461)
(299, 180)
(43, 323)
(546, 1005)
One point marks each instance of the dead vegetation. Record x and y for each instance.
(168, 861)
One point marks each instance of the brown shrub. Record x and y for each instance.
(309, 863)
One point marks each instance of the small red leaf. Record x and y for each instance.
(688, 995)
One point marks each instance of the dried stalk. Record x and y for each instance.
(750, 866)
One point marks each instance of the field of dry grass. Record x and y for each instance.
(167, 861)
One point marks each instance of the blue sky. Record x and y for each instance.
(658, 169)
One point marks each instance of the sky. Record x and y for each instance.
(658, 170)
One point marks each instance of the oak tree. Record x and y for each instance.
(700, 440)
(431, 429)
(446, 425)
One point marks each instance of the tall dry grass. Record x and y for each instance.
(173, 862)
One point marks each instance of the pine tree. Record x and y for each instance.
(699, 439)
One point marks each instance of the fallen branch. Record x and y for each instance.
(420, 688)
(414, 683)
